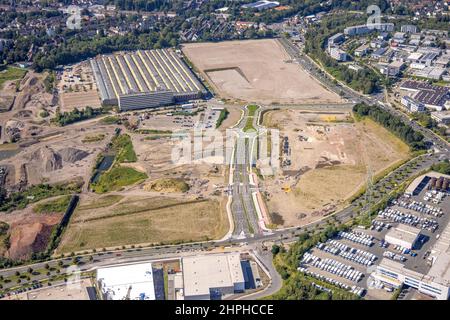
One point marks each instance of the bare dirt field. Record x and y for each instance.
(257, 71)
(29, 100)
(29, 232)
(77, 87)
(80, 100)
(330, 156)
(58, 156)
(121, 220)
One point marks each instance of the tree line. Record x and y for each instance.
(69, 117)
(393, 123)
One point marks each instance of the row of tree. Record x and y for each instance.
(65, 118)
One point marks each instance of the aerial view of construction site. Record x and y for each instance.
(243, 168)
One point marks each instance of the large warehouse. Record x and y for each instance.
(144, 79)
(403, 235)
(126, 282)
(211, 276)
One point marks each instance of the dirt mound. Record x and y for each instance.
(33, 81)
(72, 155)
(23, 114)
(167, 185)
(49, 159)
(29, 238)
(325, 162)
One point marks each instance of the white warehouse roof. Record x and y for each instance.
(116, 281)
(403, 233)
(211, 271)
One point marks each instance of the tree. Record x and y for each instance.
(275, 249)
(3, 195)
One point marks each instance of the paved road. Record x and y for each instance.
(242, 207)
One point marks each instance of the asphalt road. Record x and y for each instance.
(242, 207)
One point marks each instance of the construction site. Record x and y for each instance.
(258, 71)
(145, 78)
(326, 158)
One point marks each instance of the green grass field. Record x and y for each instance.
(117, 178)
(110, 120)
(252, 109)
(137, 220)
(249, 125)
(93, 138)
(105, 201)
(58, 205)
(11, 73)
(124, 148)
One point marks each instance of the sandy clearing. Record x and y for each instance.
(330, 160)
(257, 71)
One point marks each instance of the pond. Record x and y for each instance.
(103, 166)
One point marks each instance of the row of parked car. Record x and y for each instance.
(410, 219)
(347, 252)
(380, 225)
(421, 207)
(335, 267)
(35, 285)
(394, 256)
(354, 289)
(357, 237)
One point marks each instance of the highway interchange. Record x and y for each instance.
(247, 235)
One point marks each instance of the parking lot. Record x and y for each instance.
(348, 259)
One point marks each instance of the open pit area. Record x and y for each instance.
(326, 160)
(22, 117)
(29, 229)
(56, 157)
(258, 71)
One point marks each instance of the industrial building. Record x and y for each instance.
(435, 283)
(421, 182)
(412, 105)
(403, 235)
(261, 5)
(212, 276)
(432, 96)
(337, 53)
(126, 282)
(367, 28)
(441, 117)
(395, 274)
(392, 69)
(144, 79)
